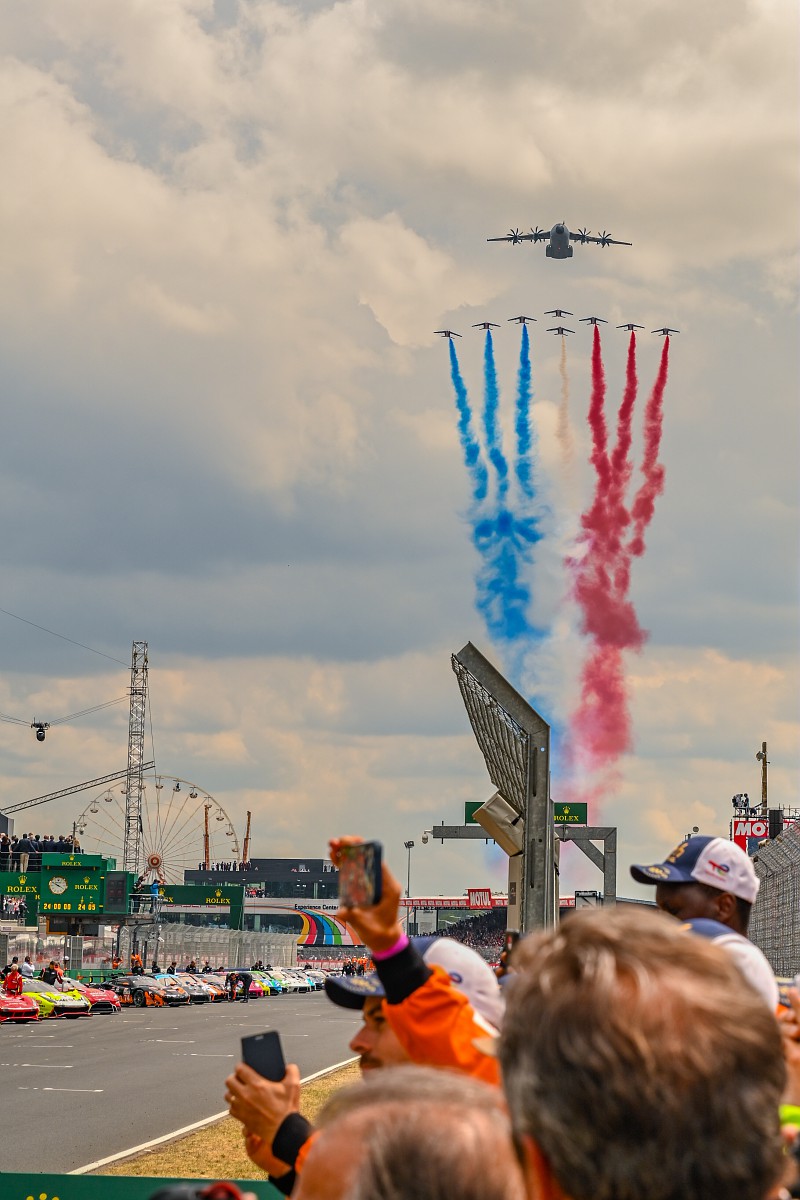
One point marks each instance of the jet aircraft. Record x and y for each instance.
(594, 320)
(558, 239)
(630, 325)
(558, 312)
(485, 325)
(560, 329)
(521, 320)
(665, 331)
(447, 333)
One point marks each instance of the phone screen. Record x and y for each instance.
(264, 1053)
(360, 875)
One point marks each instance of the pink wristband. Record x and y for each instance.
(400, 944)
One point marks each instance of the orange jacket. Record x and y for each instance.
(437, 1026)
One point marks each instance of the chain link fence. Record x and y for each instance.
(775, 920)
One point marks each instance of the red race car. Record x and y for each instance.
(18, 1008)
(102, 999)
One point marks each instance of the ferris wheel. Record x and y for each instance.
(183, 827)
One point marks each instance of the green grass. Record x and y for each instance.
(217, 1152)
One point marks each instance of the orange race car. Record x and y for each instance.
(143, 991)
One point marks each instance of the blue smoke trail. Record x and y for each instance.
(524, 462)
(491, 407)
(479, 476)
(503, 539)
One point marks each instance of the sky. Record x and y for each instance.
(229, 230)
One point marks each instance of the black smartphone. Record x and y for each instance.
(264, 1053)
(360, 875)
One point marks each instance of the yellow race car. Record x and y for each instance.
(53, 1002)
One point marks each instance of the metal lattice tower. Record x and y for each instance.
(132, 847)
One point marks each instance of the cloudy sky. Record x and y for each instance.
(228, 230)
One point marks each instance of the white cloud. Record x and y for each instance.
(228, 431)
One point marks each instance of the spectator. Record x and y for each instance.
(24, 851)
(26, 970)
(13, 982)
(712, 884)
(12, 966)
(413, 1134)
(173, 967)
(677, 1063)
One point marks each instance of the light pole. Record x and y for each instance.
(409, 847)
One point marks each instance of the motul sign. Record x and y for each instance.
(479, 897)
(747, 832)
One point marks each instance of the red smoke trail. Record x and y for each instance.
(597, 416)
(601, 726)
(653, 471)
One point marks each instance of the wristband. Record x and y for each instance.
(400, 944)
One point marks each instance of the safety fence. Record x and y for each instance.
(222, 947)
(775, 920)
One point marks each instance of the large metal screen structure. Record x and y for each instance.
(515, 743)
(775, 920)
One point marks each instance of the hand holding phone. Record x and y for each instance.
(264, 1053)
(360, 875)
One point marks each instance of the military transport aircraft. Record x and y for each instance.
(448, 333)
(558, 239)
(665, 331)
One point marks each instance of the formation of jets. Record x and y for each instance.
(558, 239)
(664, 331)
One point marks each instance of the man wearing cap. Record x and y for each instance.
(459, 1001)
(711, 884)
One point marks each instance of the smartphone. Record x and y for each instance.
(360, 877)
(264, 1053)
(511, 939)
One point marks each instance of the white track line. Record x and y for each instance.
(169, 1137)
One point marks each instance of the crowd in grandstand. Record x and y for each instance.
(25, 853)
(484, 933)
(628, 1056)
(225, 866)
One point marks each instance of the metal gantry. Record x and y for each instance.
(515, 742)
(132, 847)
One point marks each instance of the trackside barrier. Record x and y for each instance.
(26, 1186)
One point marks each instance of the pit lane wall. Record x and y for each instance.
(26, 1186)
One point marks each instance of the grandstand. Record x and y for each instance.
(775, 921)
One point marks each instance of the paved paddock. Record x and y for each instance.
(75, 1091)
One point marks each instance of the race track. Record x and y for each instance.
(75, 1091)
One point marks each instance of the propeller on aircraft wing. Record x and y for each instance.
(538, 233)
(584, 233)
(605, 238)
(515, 235)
